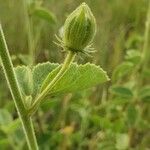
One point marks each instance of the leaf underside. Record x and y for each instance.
(76, 78)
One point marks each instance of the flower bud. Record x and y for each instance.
(79, 29)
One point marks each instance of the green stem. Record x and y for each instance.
(70, 57)
(16, 94)
(30, 36)
(145, 57)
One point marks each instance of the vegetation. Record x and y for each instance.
(65, 105)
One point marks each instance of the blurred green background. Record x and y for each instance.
(112, 116)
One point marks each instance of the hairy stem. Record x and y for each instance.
(16, 94)
(65, 66)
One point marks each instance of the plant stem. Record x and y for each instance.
(70, 57)
(16, 94)
(30, 35)
(146, 45)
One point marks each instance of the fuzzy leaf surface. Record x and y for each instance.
(40, 72)
(24, 77)
(30, 80)
(76, 78)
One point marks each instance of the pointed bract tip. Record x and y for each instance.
(84, 4)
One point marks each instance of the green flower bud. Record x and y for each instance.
(79, 30)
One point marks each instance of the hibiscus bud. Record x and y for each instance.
(79, 29)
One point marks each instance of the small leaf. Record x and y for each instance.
(121, 91)
(122, 141)
(122, 70)
(146, 73)
(25, 59)
(144, 93)
(76, 78)
(133, 56)
(40, 72)
(45, 14)
(132, 115)
(12, 126)
(118, 125)
(24, 77)
(4, 144)
(134, 40)
(119, 101)
(5, 117)
(106, 145)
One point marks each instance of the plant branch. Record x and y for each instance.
(16, 94)
(70, 57)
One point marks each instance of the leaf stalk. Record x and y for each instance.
(69, 59)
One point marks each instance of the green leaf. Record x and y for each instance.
(44, 14)
(76, 78)
(121, 91)
(25, 59)
(122, 141)
(118, 125)
(133, 56)
(106, 145)
(122, 70)
(146, 73)
(12, 126)
(119, 101)
(134, 40)
(144, 93)
(24, 77)
(132, 115)
(4, 144)
(40, 72)
(30, 80)
(5, 117)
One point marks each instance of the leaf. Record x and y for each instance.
(30, 80)
(45, 14)
(106, 145)
(4, 144)
(5, 117)
(134, 40)
(25, 59)
(119, 101)
(118, 125)
(132, 115)
(122, 141)
(133, 56)
(76, 78)
(40, 72)
(146, 73)
(24, 77)
(12, 126)
(144, 93)
(122, 70)
(121, 91)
